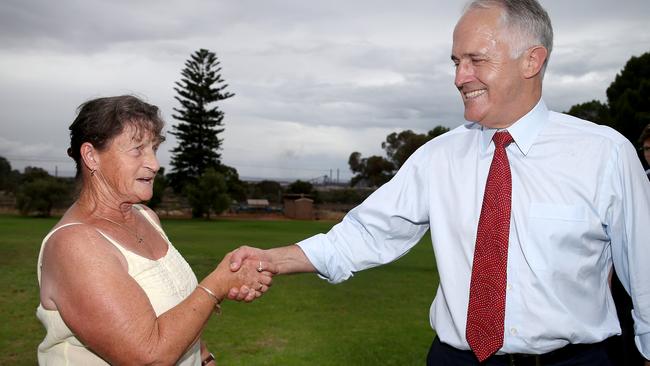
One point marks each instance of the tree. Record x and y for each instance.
(8, 178)
(235, 187)
(628, 97)
(209, 193)
(300, 187)
(594, 111)
(372, 171)
(400, 146)
(5, 173)
(376, 170)
(32, 173)
(628, 101)
(159, 185)
(349, 196)
(271, 190)
(39, 192)
(200, 121)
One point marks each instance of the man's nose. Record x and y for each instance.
(464, 73)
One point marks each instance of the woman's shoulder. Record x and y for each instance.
(145, 210)
(74, 241)
(73, 238)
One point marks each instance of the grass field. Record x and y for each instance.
(379, 317)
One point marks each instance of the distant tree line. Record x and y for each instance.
(37, 193)
(35, 190)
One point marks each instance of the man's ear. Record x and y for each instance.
(89, 156)
(533, 61)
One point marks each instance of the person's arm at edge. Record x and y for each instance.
(628, 229)
(288, 259)
(353, 245)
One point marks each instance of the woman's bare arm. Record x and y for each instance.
(110, 313)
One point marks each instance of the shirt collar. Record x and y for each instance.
(523, 131)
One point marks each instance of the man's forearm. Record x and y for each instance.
(290, 259)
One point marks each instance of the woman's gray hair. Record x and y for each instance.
(102, 119)
(527, 21)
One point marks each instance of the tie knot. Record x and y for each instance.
(502, 138)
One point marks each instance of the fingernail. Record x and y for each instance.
(233, 265)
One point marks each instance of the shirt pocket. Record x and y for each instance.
(555, 233)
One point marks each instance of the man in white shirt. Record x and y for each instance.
(579, 203)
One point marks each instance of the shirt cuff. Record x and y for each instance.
(318, 250)
(643, 344)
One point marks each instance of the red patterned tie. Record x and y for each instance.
(487, 293)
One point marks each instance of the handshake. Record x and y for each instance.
(248, 272)
(252, 272)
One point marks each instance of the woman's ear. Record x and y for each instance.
(533, 61)
(89, 156)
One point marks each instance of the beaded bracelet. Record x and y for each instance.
(217, 305)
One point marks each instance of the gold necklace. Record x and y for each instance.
(135, 233)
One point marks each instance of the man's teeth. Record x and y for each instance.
(475, 93)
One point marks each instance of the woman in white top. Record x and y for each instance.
(113, 289)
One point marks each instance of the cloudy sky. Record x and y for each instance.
(314, 80)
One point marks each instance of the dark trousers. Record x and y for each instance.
(441, 354)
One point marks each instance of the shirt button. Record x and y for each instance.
(513, 331)
(508, 287)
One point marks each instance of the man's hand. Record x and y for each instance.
(242, 253)
(281, 260)
(264, 263)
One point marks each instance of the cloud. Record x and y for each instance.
(314, 81)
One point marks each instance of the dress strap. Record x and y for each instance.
(47, 237)
(145, 213)
(127, 252)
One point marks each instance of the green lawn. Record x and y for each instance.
(379, 317)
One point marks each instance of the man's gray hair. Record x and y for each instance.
(527, 21)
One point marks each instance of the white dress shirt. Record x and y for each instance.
(580, 202)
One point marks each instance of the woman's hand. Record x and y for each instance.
(253, 278)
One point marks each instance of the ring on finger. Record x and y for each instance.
(259, 268)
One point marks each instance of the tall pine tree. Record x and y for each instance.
(200, 120)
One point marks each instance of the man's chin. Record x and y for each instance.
(471, 117)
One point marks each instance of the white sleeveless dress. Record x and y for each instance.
(166, 281)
